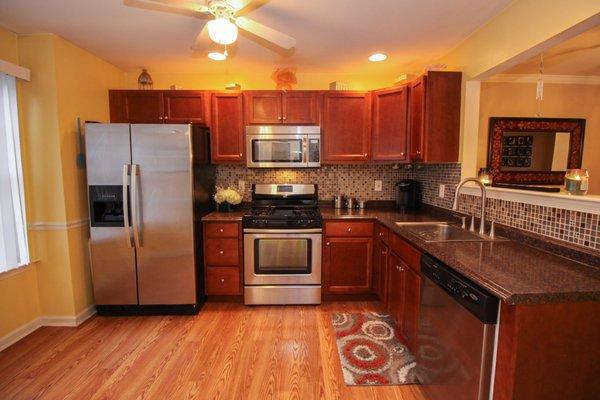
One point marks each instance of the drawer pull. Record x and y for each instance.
(327, 244)
(221, 252)
(380, 233)
(349, 229)
(221, 230)
(222, 280)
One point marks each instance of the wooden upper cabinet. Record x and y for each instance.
(263, 107)
(277, 107)
(434, 117)
(227, 128)
(417, 118)
(159, 106)
(390, 133)
(346, 129)
(185, 107)
(136, 106)
(301, 107)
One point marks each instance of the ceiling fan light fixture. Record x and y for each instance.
(217, 56)
(376, 57)
(222, 31)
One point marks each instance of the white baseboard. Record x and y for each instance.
(50, 320)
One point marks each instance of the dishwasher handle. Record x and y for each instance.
(477, 300)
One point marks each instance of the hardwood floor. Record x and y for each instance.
(228, 351)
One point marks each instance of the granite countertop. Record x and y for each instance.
(516, 273)
(513, 271)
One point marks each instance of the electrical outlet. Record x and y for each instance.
(242, 186)
(442, 191)
(378, 186)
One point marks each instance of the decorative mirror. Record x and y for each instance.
(534, 151)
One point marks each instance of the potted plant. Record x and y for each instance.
(227, 199)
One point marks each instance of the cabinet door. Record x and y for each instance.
(137, 106)
(390, 112)
(346, 127)
(383, 276)
(347, 265)
(184, 106)
(301, 107)
(416, 118)
(395, 283)
(227, 128)
(410, 309)
(263, 107)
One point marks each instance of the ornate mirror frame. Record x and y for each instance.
(499, 125)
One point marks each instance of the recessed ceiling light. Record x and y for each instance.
(377, 57)
(217, 56)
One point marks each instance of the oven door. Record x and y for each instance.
(282, 257)
(276, 151)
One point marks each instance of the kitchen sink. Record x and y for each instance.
(443, 232)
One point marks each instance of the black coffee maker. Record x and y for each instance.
(408, 194)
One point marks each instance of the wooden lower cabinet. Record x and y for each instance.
(380, 269)
(348, 259)
(223, 258)
(404, 290)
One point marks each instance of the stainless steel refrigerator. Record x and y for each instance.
(148, 187)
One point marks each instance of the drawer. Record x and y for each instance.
(381, 232)
(407, 253)
(221, 229)
(223, 280)
(347, 228)
(222, 252)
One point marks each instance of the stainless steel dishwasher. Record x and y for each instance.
(456, 336)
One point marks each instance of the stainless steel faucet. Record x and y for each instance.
(483, 195)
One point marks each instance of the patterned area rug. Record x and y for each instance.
(370, 351)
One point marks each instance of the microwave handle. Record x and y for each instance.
(305, 150)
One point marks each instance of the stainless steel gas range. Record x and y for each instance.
(282, 245)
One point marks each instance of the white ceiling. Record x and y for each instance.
(578, 56)
(332, 35)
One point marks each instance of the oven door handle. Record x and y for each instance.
(270, 231)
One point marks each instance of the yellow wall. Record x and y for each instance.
(499, 99)
(66, 82)
(509, 37)
(306, 81)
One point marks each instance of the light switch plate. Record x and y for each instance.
(378, 186)
(442, 191)
(242, 186)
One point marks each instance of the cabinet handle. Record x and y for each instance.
(380, 233)
(221, 230)
(366, 154)
(418, 151)
(284, 118)
(384, 252)
(222, 280)
(280, 118)
(402, 153)
(349, 229)
(165, 117)
(221, 252)
(327, 244)
(240, 155)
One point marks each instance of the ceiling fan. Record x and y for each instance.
(225, 17)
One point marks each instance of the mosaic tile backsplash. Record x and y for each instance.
(350, 180)
(582, 229)
(578, 228)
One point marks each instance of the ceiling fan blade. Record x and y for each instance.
(280, 39)
(173, 6)
(238, 4)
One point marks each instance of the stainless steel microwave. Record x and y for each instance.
(283, 146)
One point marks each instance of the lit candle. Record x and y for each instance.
(576, 181)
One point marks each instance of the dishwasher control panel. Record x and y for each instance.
(473, 297)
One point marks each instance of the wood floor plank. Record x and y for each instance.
(227, 351)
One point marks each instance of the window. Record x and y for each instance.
(13, 234)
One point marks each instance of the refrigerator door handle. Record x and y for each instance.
(126, 224)
(135, 205)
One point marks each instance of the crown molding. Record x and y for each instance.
(533, 78)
